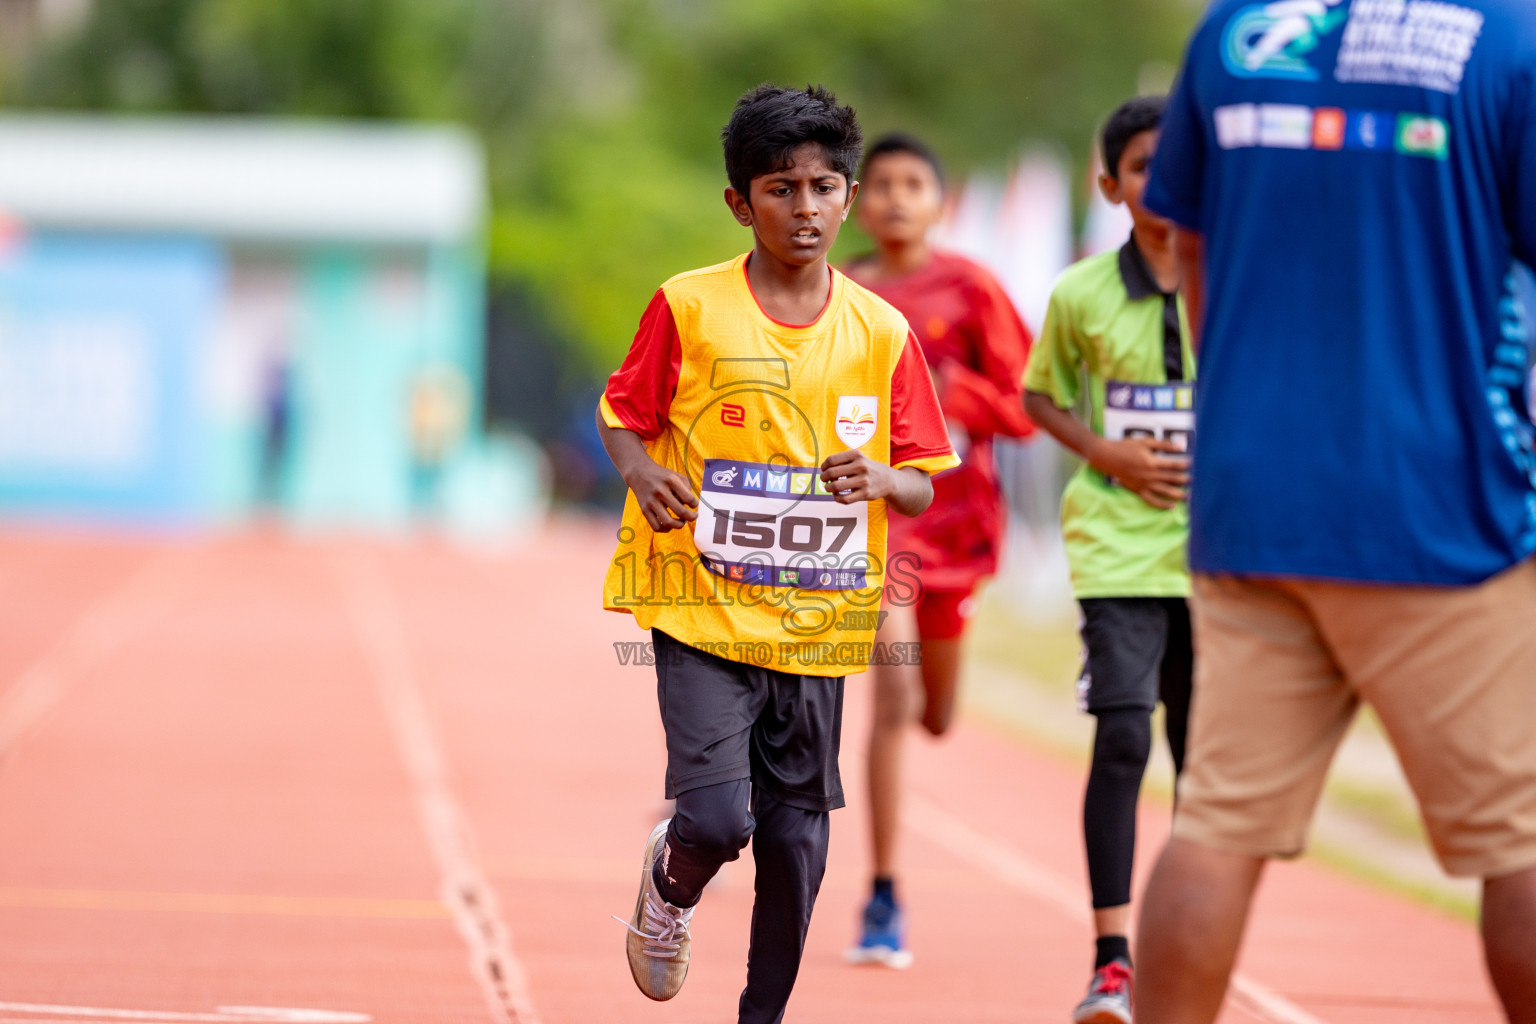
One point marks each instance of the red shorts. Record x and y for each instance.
(942, 614)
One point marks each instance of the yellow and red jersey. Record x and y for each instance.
(972, 337)
(774, 572)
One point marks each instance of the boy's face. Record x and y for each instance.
(902, 199)
(795, 213)
(1130, 183)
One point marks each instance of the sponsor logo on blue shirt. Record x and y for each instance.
(1330, 129)
(1274, 40)
(1369, 129)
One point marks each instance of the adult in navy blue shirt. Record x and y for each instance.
(1354, 181)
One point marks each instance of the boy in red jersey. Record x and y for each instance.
(768, 413)
(976, 348)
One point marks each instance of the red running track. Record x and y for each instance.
(255, 780)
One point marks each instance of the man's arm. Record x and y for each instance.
(853, 476)
(1189, 247)
(665, 499)
(1137, 463)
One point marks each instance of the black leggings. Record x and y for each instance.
(710, 827)
(1121, 747)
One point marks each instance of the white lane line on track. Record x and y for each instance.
(99, 633)
(226, 1014)
(1008, 865)
(468, 895)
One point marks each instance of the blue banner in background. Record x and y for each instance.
(100, 355)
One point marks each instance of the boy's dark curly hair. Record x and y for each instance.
(1129, 120)
(901, 142)
(771, 122)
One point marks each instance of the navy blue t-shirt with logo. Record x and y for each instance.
(1364, 174)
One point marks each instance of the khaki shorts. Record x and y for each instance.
(1281, 666)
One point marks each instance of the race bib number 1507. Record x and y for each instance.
(776, 525)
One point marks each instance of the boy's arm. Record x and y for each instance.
(919, 444)
(1136, 463)
(1051, 387)
(853, 476)
(988, 400)
(1066, 428)
(664, 497)
(634, 409)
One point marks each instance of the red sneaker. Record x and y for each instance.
(1109, 996)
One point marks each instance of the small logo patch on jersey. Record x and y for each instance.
(857, 419)
(733, 415)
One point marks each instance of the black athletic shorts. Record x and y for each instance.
(1139, 651)
(726, 721)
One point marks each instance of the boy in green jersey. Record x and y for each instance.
(1116, 321)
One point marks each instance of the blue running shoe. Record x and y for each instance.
(884, 938)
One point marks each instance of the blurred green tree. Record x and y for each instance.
(601, 117)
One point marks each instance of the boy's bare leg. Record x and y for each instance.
(1192, 920)
(1112, 920)
(898, 689)
(941, 682)
(1509, 921)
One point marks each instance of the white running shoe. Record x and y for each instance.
(658, 941)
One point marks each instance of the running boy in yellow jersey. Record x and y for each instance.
(768, 413)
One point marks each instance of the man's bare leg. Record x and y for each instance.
(1509, 922)
(1192, 920)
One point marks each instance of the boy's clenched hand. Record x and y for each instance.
(664, 497)
(852, 476)
(1140, 465)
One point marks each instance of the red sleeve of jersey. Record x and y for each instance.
(989, 399)
(639, 394)
(918, 435)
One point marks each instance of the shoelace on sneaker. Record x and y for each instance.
(1112, 979)
(667, 927)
